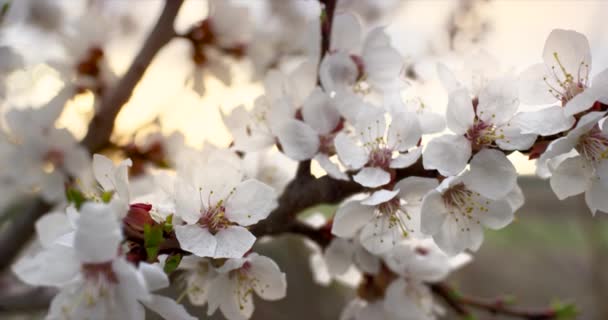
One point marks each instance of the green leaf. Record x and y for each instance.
(4, 10)
(172, 263)
(153, 237)
(168, 225)
(107, 196)
(75, 197)
(564, 311)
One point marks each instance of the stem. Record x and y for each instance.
(102, 125)
(19, 231)
(496, 307)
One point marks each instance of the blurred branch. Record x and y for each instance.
(16, 297)
(19, 231)
(460, 303)
(100, 128)
(327, 19)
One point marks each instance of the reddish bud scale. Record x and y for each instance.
(96, 271)
(360, 66)
(138, 216)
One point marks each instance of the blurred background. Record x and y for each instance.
(554, 250)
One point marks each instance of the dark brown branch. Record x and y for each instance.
(100, 128)
(450, 298)
(19, 231)
(496, 307)
(326, 25)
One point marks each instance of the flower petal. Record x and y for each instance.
(320, 113)
(413, 189)
(339, 256)
(233, 242)
(352, 155)
(460, 113)
(404, 160)
(433, 213)
(271, 283)
(449, 154)
(379, 197)
(566, 50)
(196, 239)
(298, 140)
(331, 168)
(404, 131)
(98, 234)
(349, 218)
(491, 174)
(571, 177)
(251, 202)
(545, 122)
(168, 308)
(498, 101)
(372, 177)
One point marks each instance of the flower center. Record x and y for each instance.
(593, 146)
(464, 205)
(326, 144)
(567, 85)
(246, 284)
(52, 159)
(390, 210)
(381, 157)
(483, 134)
(214, 218)
(102, 272)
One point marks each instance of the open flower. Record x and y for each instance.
(215, 204)
(483, 123)
(578, 162)
(378, 148)
(485, 195)
(44, 158)
(313, 136)
(564, 75)
(238, 279)
(113, 178)
(386, 217)
(352, 66)
(94, 280)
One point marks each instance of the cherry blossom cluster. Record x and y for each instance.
(424, 185)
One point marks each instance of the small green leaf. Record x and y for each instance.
(172, 263)
(564, 311)
(470, 317)
(153, 237)
(4, 10)
(168, 225)
(107, 196)
(75, 197)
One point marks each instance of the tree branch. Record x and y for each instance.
(496, 307)
(19, 231)
(100, 128)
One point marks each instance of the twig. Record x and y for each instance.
(19, 231)
(498, 306)
(326, 25)
(100, 128)
(451, 298)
